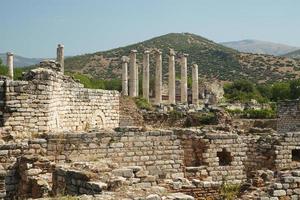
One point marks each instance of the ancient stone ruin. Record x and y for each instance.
(59, 138)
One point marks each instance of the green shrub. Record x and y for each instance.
(243, 91)
(175, 115)
(207, 118)
(66, 198)
(234, 111)
(281, 91)
(142, 103)
(197, 119)
(259, 114)
(229, 191)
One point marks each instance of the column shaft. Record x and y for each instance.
(10, 65)
(183, 84)
(158, 78)
(172, 88)
(60, 57)
(125, 75)
(146, 75)
(133, 74)
(195, 90)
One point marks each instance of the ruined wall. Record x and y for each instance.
(260, 153)
(288, 152)
(213, 155)
(289, 116)
(49, 101)
(160, 152)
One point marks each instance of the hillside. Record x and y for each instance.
(214, 60)
(294, 54)
(20, 61)
(260, 47)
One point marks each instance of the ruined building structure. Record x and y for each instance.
(59, 138)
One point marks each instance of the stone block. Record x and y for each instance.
(279, 193)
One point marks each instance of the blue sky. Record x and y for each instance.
(33, 28)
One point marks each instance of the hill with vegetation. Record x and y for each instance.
(215, 61)
(261, 47)
(294, 54)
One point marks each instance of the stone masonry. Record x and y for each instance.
(46, 100)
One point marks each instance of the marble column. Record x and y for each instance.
(195, 90)
(172, 87)
(158, 77)
(183, 83)
(125, 61)
(133, 74)
(60, 56)
(10, 65)
(146, 75)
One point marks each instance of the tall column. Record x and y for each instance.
(183, 84)
(133, 74)
(60, 56)
(195, 90)
(158, 77)
(125, 61)
(146, 75)
(10, 65)
(137, 82)
(172, 88)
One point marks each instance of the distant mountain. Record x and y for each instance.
(20, 61)
(215, 60)
(293, 54)
(260, 47)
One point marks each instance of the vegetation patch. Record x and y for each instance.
(259, 114)
(245, 91)
(254, 113)
(201, 118)
(176, 115)
(229, 191)
(142, 103)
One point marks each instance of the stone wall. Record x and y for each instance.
(49, 101)
(288, 152)
(260, 153)
(221, 155)
(163, 154)
(289, 116)
(158, 151)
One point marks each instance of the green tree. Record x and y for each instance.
(265, 90)
(295, 89)
(281, 91)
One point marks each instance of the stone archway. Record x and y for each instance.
(98, 120)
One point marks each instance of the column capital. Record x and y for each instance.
(146, 52)
(157, 51)
(60, 46)
(133, 51)
(172, 52)
(9, 54)
(194, 65)
(125, 59)
(183, 55)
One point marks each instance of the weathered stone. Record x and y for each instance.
(153, 197)
(124, 172)
(279, 193)
(180, 196)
